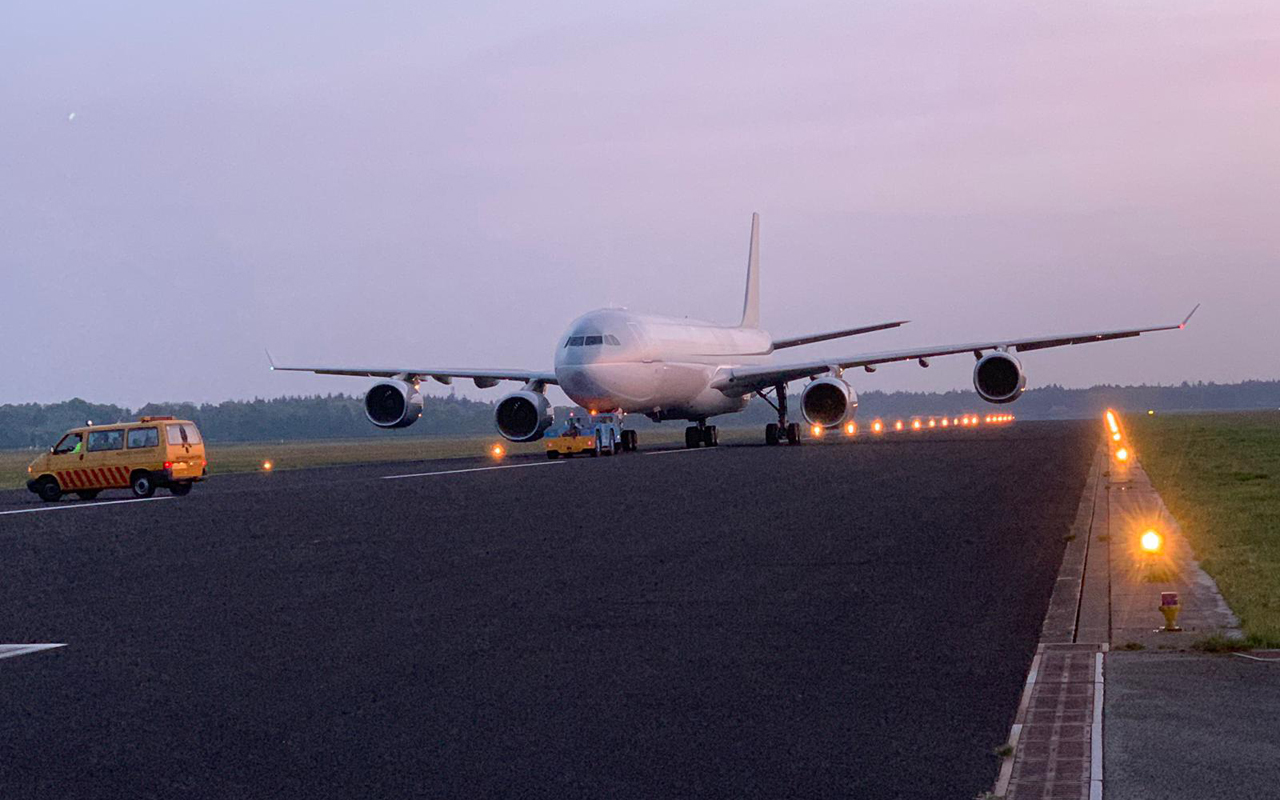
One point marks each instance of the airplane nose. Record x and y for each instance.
(605, 385)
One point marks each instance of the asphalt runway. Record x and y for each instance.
(839, 619)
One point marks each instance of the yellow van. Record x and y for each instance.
(154, 452)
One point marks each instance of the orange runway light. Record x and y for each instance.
(497, 451)
(850, 429)
(1151, 542)
(897, 426)
(267, 466)
(877, 426)
(946, 422)
(1122, 454)
(1115, 437)
(932, 423)
(817, 431)
(1111, 422)
(915, 424)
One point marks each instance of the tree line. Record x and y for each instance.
(340, 416)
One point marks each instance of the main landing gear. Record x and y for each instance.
(777, 432)
(701, 435)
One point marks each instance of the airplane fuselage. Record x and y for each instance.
(660, 366)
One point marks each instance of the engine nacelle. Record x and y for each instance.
(828, 402)
(393, 404)
(523, 416)
(998, 378)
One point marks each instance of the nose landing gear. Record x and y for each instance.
(776, 432)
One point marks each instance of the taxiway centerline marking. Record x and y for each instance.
(11, 650)
(681, 450)
(472, 469)
(81, 505)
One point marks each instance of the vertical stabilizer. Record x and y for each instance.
(751, 303)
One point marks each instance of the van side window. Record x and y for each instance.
(143, 437)
(106, 440)
(69, 444)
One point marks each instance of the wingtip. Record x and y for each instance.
(1184, 322)
(270, 361)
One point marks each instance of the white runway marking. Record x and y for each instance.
(81, 505)
(680, 450)
(11, 650)
(472, 469)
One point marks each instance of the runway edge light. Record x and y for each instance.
(1151, 541)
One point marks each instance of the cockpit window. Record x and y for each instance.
(574, 341)
(593, 340)
(609, 338)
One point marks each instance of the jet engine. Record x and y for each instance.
(523, 416)
(998, 378)
(827, 402)
(393, 404)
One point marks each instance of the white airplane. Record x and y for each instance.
(681, 369)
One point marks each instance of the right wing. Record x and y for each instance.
(743, 380)
(483, 378)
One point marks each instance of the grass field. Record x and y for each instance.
(249, 456)
(1219, 474)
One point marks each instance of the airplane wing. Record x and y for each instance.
(796, 341)
(742, 380)
(483, 378)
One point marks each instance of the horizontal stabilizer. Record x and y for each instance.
(796, 341)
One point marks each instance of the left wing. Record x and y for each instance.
(796, 341)
(742, 380)
(483, 378)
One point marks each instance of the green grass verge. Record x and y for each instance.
(249, 456)
(1219, 474)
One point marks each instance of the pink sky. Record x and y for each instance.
(402, 186)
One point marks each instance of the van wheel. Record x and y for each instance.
(89, 495)
(180, 489)
(142, 484)
(49, 490)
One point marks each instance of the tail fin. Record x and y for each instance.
(751, 303)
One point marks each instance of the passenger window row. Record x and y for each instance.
(591, 341)
(115, 440)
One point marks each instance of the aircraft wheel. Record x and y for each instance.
(49, 490)
(628, 441)
(771, 433)
(692, 436)
(710, 436)
(793, 433)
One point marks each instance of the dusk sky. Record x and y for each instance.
(417, 184)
